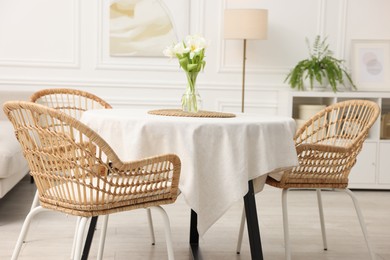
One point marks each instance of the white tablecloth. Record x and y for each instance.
(218, 155)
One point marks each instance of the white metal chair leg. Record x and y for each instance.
(241, 231)
(35, 202)
(285, 225)
(103, 237)
(75, 237)
(322, 219)
(24, 230)
(80, 238)
(168, 234)
(361, 220)
(151, 228)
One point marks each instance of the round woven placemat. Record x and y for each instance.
(179, 112)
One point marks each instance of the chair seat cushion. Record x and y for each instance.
(11, 155)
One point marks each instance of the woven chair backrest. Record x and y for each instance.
(73, 102)
(329, 143)
(75, 169)
(341, 124)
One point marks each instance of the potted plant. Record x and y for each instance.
(321, 67)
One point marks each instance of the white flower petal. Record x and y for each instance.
(191, 48)
(169, 52)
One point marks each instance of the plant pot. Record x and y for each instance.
(317, 86)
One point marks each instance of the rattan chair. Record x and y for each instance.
(327, 146)
(76, 172)
(75, 102)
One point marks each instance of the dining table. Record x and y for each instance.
(225, 157)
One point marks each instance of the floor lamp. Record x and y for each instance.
(245, 24)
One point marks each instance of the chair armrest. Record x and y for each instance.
(322, 156)
(322, 148)
(164, 169)
(129, 166)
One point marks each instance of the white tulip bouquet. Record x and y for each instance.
(190, 53)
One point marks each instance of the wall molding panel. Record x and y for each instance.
(72, 62)
(91, 83)
(342, 33)
(321, 17)
(137, 84)
(198, 15)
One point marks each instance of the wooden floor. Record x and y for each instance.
(51, 233)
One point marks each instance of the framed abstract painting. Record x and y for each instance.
(371, 64)
(146, 27)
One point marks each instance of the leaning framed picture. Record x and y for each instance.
(370, 64)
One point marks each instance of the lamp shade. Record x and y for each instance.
(245, 24)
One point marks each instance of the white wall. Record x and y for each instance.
(63, 43)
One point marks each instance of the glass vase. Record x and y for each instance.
(191, 101)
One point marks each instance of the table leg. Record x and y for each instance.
(194, 236)
(253, 224)
(88, 241)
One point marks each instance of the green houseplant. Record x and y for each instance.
(320, 67)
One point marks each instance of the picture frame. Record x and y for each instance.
(370, 64)
(143, 28)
